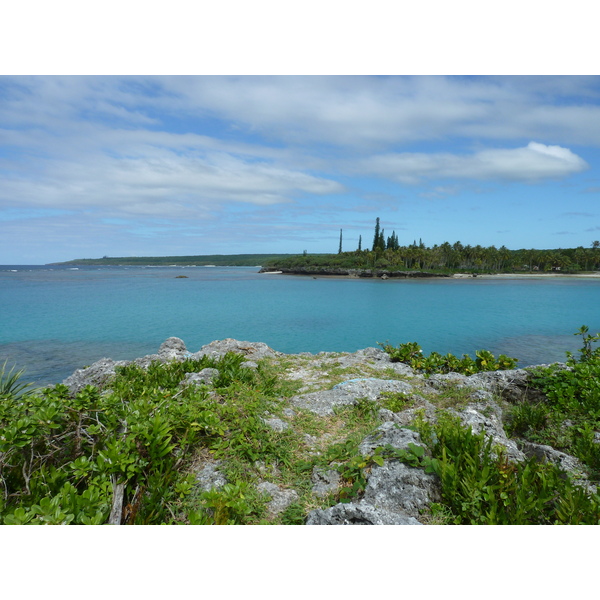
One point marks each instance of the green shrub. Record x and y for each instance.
(63, 457)
(480, 486)
(411, 354)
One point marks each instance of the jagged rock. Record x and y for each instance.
(172, 348)
(204, 377)
(567, 463)
(276, 424)
(392, 434)
(347, 393)
(402, 489)
(359, 513)
(281, 498)
(487, 417)
(407, 416)
(210, 478)
(324, 481)
(254, 350)
(513, 385)
(98, 374)
(249, 364)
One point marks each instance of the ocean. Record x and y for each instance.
(55, 319)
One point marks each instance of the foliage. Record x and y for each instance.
(222, 260)
(411, 354)
(570, 414)
(62, 457)
(447, 258)
(10, 384)
(480, 486)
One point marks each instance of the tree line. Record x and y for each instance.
(386, 252)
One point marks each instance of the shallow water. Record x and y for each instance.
(56, 319)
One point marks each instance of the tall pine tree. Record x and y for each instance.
(376, 236)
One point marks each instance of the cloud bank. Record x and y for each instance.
(534, 162)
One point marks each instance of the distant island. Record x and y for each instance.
(218, 260)
(387, 258)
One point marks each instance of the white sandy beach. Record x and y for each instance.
(554, 274)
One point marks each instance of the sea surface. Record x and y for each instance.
(55, 319)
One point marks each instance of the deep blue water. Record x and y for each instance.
(54, 320)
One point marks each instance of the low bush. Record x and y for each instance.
(411, 354)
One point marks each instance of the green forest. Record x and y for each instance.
(387, 253)
(218, 260)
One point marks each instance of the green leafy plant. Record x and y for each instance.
(480, 486)
(11, 385)
(411, 354)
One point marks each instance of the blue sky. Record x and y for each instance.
(178, 165)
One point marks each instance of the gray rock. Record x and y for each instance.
(487, 418)
(392, 434)
(172, 349)
(324, 481)
(99, 375)
(408, 415)
(254, 350)
(204, 377)
(566, 462)
(249, 364)
(360, 513)
(348, 393)
(276, 424)
(281, 498)
(513, 385)
(210, 478)
(402, 489)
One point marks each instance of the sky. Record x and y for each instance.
(266, 127)
(101, 165)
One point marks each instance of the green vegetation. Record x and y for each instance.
(63, 458)
(388, 254)
(411, 354)
(480, 486)
(219, 260)
(571, 397)
(131, 452)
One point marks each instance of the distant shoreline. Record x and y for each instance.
(337, 273)
(553, 275)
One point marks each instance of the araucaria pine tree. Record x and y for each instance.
(376, 236)
(340, 249)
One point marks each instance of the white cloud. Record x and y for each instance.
(534, 162)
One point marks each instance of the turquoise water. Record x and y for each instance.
(55, 319)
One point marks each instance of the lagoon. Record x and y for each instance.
(55, 319)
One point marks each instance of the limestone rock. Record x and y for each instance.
(359, 513)
(254, 350)
(276, 424)
(281, 498)
(348, 393)
(98, 374)
(324, 481)
(402, 489)
(392, 434)
(487, 418)
(204, 377)
(210, 478)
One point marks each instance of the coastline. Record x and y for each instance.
(332, 272)
(554, 275)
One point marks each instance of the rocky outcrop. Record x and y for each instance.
(101, 372)
(394, 492)
(348, 393)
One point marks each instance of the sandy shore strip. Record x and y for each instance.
(553, 275)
